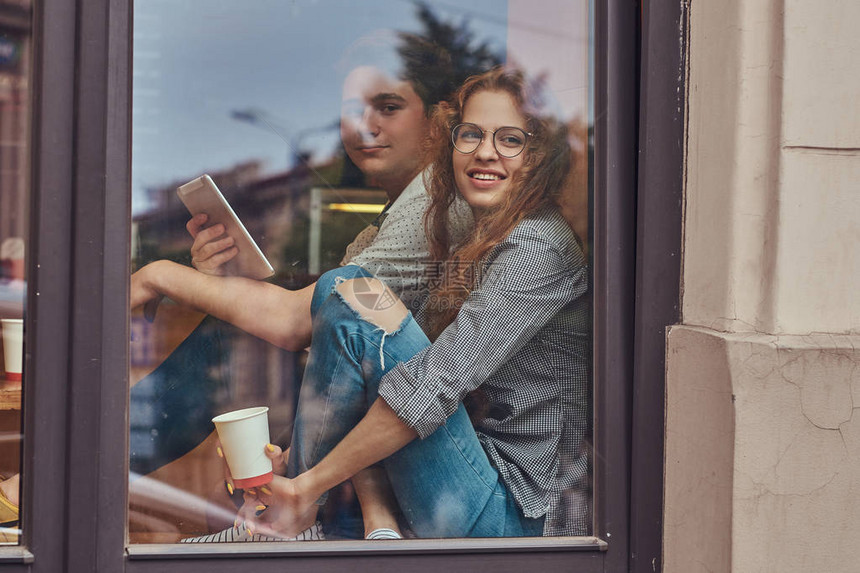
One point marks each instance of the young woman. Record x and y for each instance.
(508, 321)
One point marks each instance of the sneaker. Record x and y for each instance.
(240, 534)
(383, 533)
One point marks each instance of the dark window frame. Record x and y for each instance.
(75, 451)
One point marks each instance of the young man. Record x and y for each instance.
(385, 119)
(384, 124)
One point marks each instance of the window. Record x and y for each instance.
(15, 69)
(311, 118)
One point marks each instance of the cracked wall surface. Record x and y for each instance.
(762, 452)
(796, 475)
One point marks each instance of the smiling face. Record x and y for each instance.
(383, 126)
(483, 177)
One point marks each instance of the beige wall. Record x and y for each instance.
(762, 453)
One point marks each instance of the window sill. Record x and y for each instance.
(395, 547)
(15, 554)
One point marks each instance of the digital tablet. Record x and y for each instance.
(202, 196)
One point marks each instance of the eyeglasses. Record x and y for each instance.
(508, 141)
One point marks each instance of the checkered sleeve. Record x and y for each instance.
(525, 282)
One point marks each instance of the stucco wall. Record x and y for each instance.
(762, 451)
(762, 467)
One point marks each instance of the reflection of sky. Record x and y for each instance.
(196, 61)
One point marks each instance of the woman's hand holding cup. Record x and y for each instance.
(279, 508)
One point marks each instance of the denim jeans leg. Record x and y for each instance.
(445, 484)
(179, 399)
(348, 355)
(447, 487)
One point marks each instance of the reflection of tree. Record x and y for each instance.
(574, 197)
(467, 56)
(438, 59)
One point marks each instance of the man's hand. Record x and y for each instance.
(140, 288)
(211, 248)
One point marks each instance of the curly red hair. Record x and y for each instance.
(535, 187)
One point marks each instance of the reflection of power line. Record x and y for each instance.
(293, 139)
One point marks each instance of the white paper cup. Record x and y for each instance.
(244, 435)
(13, 347)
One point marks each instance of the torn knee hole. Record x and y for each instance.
(373, 301)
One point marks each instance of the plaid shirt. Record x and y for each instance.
(523, 336)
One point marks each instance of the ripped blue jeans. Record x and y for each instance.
(445, 484)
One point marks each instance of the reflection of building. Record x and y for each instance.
(331, 209)
(277, 212)
(269, 207)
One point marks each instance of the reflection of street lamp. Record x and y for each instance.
(261, 118)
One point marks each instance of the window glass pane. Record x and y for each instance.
(15, 58)
(320, 124)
